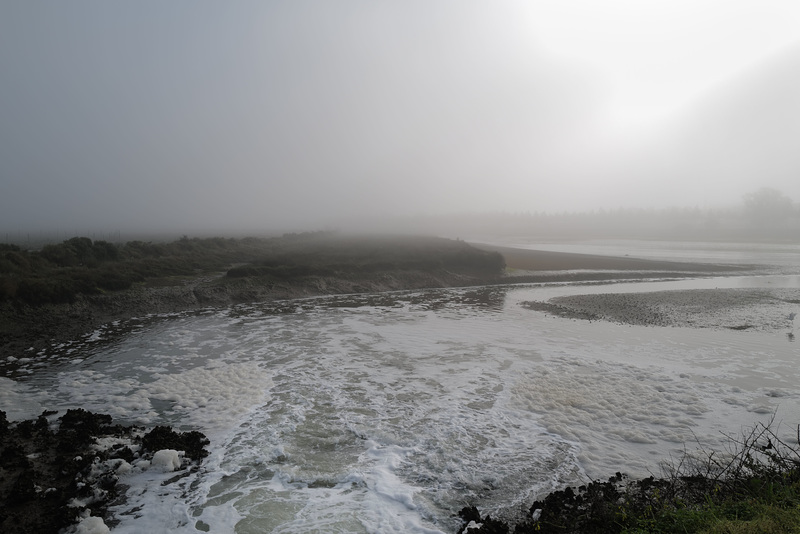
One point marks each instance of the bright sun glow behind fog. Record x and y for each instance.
(303, 114)
(652, 57)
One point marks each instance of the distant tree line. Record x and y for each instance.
(766, 215)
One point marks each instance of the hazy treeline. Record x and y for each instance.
(58, 273)
(765, 215)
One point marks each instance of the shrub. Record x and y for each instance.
(45, 290)
(242, 271)
(59, 255)
(113, 281)
(15, 261)
(140, 249)
(105, 251)
(8, 289)
(82, 248)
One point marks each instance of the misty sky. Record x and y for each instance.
(302, 114)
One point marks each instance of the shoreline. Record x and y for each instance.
(27, 329)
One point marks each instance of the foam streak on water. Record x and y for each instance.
(389, 413)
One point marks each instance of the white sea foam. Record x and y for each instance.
(89, 525)
(211, 397)
(19, 400)
(167, 460)
(613, 411)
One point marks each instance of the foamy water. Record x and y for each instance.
(389, 413)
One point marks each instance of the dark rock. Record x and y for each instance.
(3, 423)
(470, 513)
(162, 437)
(83, 421)
(22, 490)
(122, 452)
(487, 524)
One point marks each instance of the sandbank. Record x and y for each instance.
(542, 260)
(756, 309)
(752, 309)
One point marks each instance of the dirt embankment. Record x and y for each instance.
(23, 327)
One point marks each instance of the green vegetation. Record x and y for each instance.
(752, 487)
(59, 273)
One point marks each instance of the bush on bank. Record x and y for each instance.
(751, 487)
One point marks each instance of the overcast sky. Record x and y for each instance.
(299, 114)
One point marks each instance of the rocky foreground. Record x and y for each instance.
(56, 476)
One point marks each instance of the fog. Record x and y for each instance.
(293, 115)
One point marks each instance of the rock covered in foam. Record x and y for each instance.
(167, 460)
(90, 525)
(191, 443)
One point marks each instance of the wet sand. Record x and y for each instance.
(761, 309)
(764, 310)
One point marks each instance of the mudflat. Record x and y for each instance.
(757, 309)
(754, 309)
